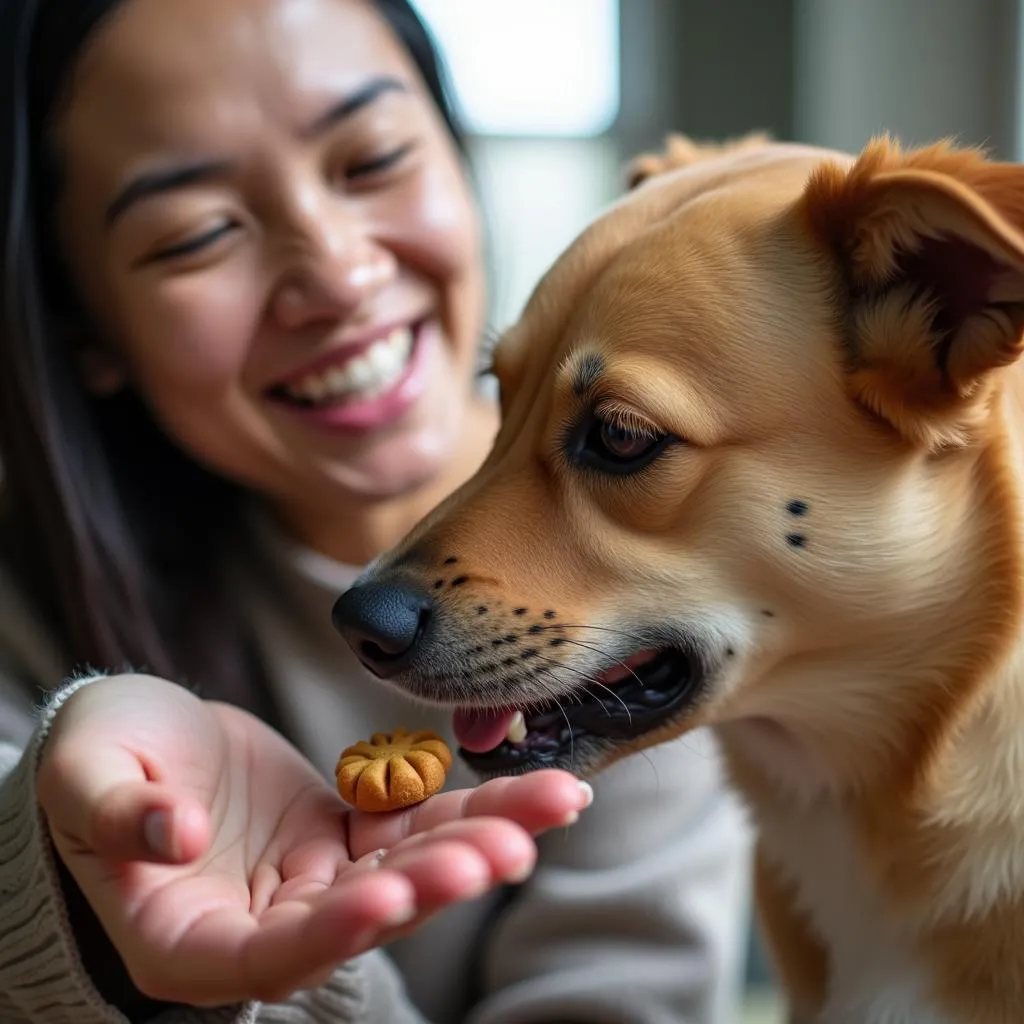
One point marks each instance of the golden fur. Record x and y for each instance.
(835, 339)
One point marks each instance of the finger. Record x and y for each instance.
(539, 801)
(442, 873)
(268, 887)
(481, 853)
(101, 802)
(444, 866)
(227, 955)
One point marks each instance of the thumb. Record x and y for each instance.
(101, 802)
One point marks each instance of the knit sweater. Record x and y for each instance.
(635, 915)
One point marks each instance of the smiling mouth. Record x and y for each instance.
(363, 377)
(637, 696)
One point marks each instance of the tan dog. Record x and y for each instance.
(761, 468)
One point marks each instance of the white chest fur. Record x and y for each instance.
(874, 978)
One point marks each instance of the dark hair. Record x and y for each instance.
(116, 534)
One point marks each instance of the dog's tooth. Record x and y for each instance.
(516, 729)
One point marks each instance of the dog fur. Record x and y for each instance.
(832, 343)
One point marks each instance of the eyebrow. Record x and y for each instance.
(587, 374)
(355, 101)
(152, 183)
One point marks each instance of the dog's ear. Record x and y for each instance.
(931, 245)
(681, 151)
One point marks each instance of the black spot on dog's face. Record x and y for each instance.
(450, 561)
(797, 508)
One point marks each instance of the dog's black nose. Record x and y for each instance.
(383, 623)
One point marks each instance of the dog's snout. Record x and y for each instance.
(383, 623)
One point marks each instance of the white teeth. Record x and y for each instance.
(369, 374)
(516, 729)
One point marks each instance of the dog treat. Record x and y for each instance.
(393, 770)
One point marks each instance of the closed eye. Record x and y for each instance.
(380, 163)
(190, 246)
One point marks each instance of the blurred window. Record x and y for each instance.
(530, 67)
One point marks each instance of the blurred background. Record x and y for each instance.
(559, 94)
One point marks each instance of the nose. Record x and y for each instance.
(333, 268)
(383, 623)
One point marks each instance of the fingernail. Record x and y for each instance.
(571, 818)
(158, 832)
(588, 793)
(402, 914)
(376, 859)
(520, 874)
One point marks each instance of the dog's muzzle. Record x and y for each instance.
(527, 694)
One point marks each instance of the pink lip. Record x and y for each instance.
(374, 413)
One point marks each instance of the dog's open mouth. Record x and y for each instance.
(635, 697)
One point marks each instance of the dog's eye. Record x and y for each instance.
(622, 443)
(613, 446)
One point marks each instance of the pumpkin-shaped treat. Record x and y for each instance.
(392, 771)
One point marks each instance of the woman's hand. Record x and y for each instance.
(224, 868)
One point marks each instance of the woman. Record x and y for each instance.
(242, 299)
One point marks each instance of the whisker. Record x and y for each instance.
(584, 625)
(593, 682)
(605, 654)
(574, 694)
(572, 739)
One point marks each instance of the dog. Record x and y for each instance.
(761, 469)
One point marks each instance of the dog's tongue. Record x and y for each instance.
(478, 730)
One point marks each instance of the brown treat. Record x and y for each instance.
(392, 771)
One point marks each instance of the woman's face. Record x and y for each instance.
(269, 224)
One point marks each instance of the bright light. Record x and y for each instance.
(530, 67)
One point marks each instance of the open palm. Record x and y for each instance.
(223, 867)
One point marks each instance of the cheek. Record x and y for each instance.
(192, 333)
(437, 229)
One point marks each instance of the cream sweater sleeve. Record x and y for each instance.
(42, 980)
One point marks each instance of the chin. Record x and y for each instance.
(396, 470)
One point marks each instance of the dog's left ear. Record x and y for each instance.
(932, 250)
